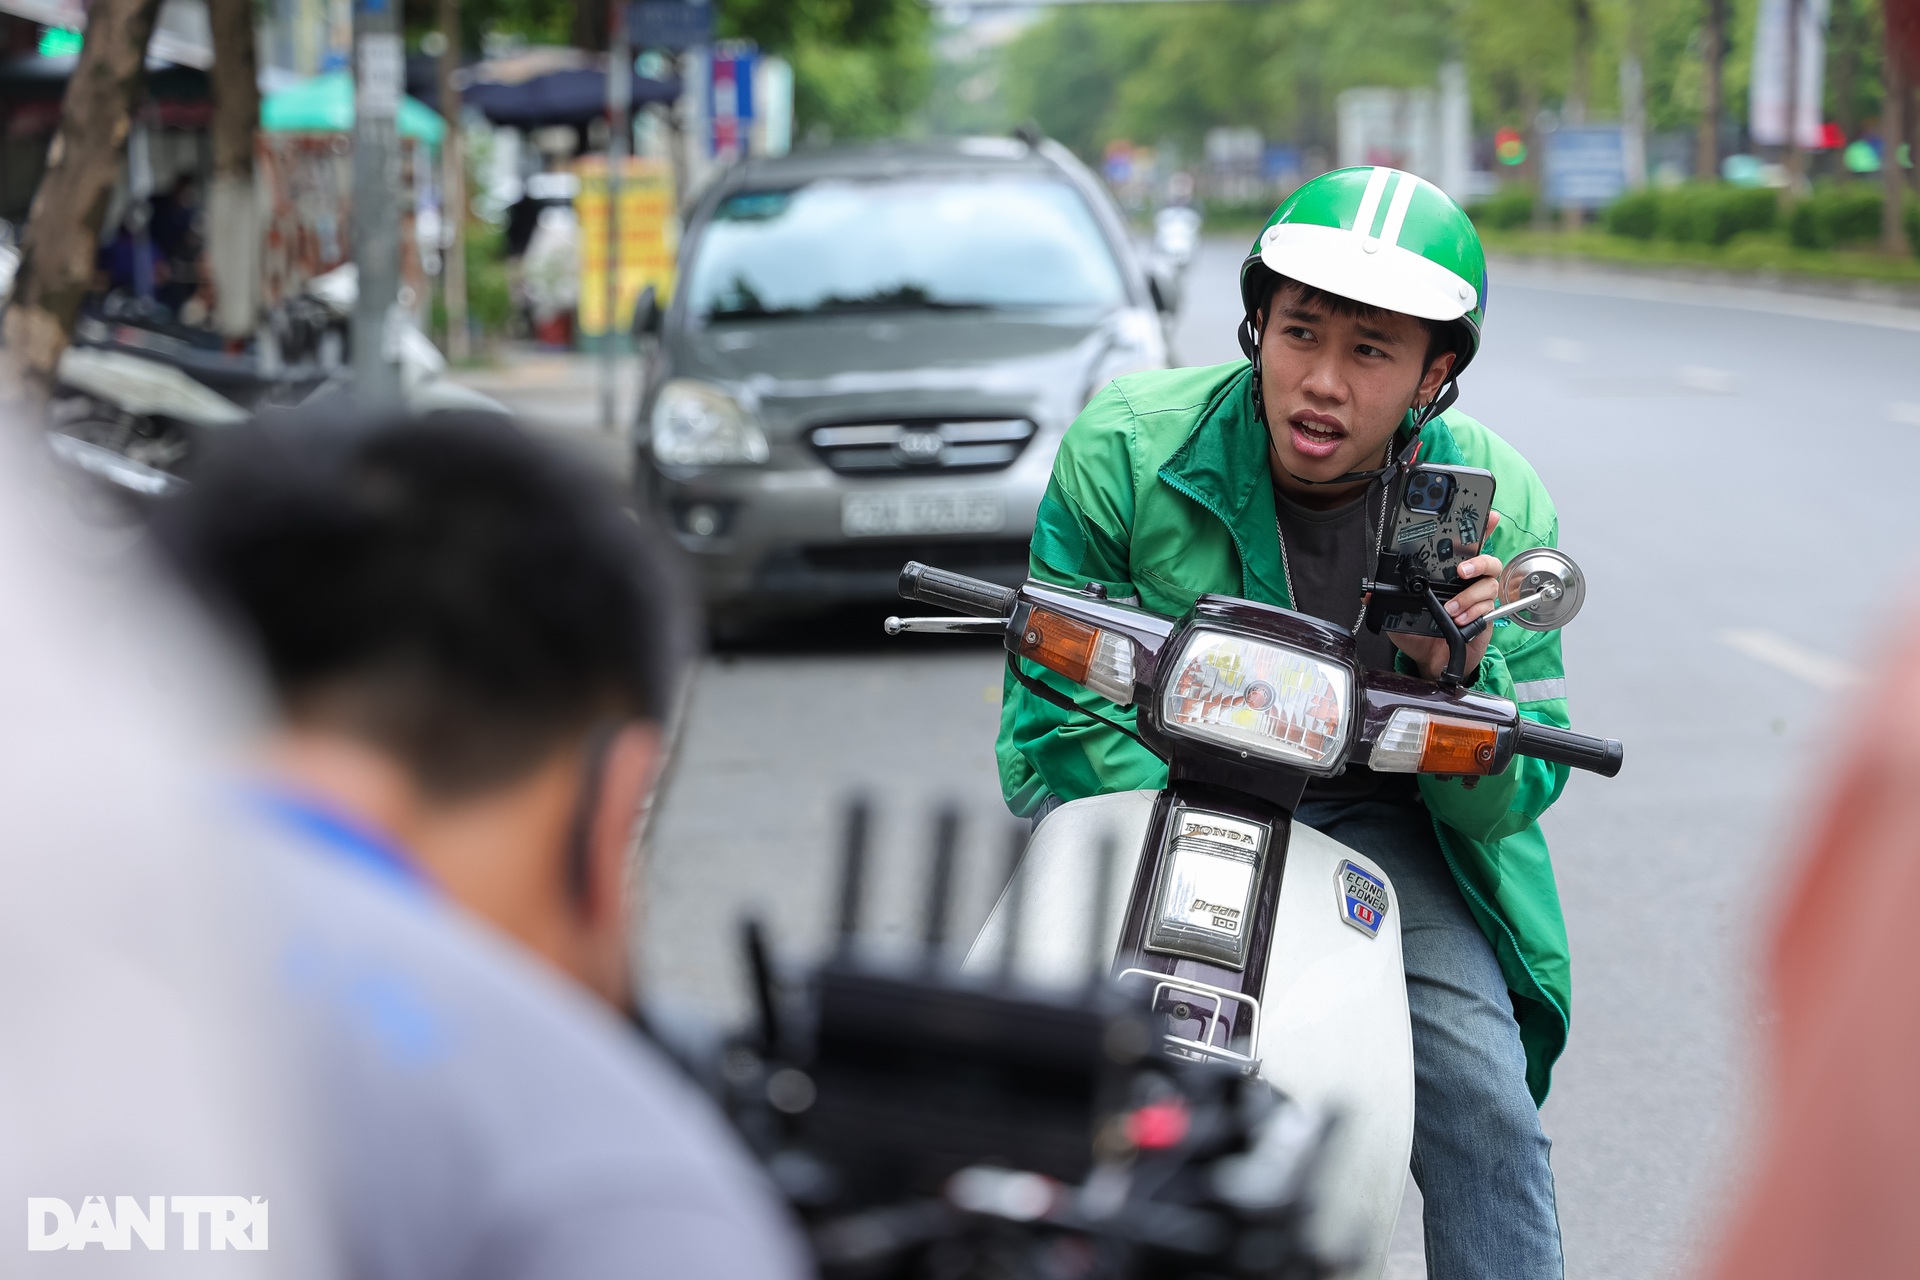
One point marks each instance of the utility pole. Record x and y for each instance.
(233, 214)
(379, 80)
(619, 130)
(453, 189)
(1896, 128)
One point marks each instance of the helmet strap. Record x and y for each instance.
(1441, 402)
(1249, 335)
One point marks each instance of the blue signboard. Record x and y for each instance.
(670, 24)
(1586, 166)
(1280, 162)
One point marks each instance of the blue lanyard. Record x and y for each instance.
(338, 834)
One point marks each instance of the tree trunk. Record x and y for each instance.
(1713, 51)
(1845, 38)
(1575, 111)
(1535, 165)
(1896, 127)
(453, 194)
(590, 24)
(83, 162)
(233, 206)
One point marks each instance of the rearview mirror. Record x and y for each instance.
(1164, 290)
(646, 314)
(1542, 589)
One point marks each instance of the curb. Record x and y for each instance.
(1572, 268)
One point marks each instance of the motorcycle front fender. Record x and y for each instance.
(1334, 1031)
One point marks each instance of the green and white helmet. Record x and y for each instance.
(1379, 236)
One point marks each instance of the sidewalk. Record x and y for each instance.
(559, 392)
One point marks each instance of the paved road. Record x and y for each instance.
(1736, 472)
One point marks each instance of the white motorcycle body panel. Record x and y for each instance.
(145, 387)
(1334, 1031)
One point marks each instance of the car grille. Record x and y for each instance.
(911, 448)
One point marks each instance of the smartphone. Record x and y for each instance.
(1436, 518)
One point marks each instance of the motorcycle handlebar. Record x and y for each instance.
(1559, 746)
(956, 591)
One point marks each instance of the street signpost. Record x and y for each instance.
(670, 24)
(619, 133)
(1586, 166)
(730, 104)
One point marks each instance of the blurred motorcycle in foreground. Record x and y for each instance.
(929, 1123)
(1248, 943)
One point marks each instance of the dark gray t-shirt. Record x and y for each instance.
(486, 1119)
(1328, 554)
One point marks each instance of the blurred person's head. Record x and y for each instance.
(471, 644)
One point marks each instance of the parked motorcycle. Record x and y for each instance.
(134, 403)
(1250, 940)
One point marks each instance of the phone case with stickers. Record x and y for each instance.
(1437, 518)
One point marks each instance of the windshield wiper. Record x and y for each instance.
(904, 298)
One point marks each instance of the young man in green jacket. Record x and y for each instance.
(1363, 297)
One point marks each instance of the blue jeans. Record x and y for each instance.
(1479, 1156)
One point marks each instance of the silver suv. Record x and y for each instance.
(870, 358)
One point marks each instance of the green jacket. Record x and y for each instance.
(1161, 491)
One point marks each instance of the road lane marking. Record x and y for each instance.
(1904, 411)
(1710, 381)
(1782, 654)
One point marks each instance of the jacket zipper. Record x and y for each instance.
(1239, 547)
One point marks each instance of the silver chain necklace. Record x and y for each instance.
(1379, 538)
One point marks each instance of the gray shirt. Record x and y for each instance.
(1329, 552)
(485, 1117)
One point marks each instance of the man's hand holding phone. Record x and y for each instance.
(1480, 596)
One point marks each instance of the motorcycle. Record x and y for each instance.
(925, 1123)
(133, 402)
(1249, 940)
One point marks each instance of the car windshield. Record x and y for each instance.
(947, 244)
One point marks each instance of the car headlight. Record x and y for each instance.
(1266, 699)
(699, 425)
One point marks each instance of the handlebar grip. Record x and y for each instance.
(1582, 751)
(956, 591)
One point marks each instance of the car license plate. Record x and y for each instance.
(879, 514)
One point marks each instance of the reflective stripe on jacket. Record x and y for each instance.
(1161, 493)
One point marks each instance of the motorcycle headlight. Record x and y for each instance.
(1266, 699)
(699, 425)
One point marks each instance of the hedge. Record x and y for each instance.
(1714, 213)
(1833, 215)
(1510, 207)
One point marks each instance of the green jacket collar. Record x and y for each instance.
(1223, 465)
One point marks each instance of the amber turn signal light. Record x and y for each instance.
(1058, 643)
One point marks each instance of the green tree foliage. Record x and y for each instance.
(861, 68)
(1153, 73)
